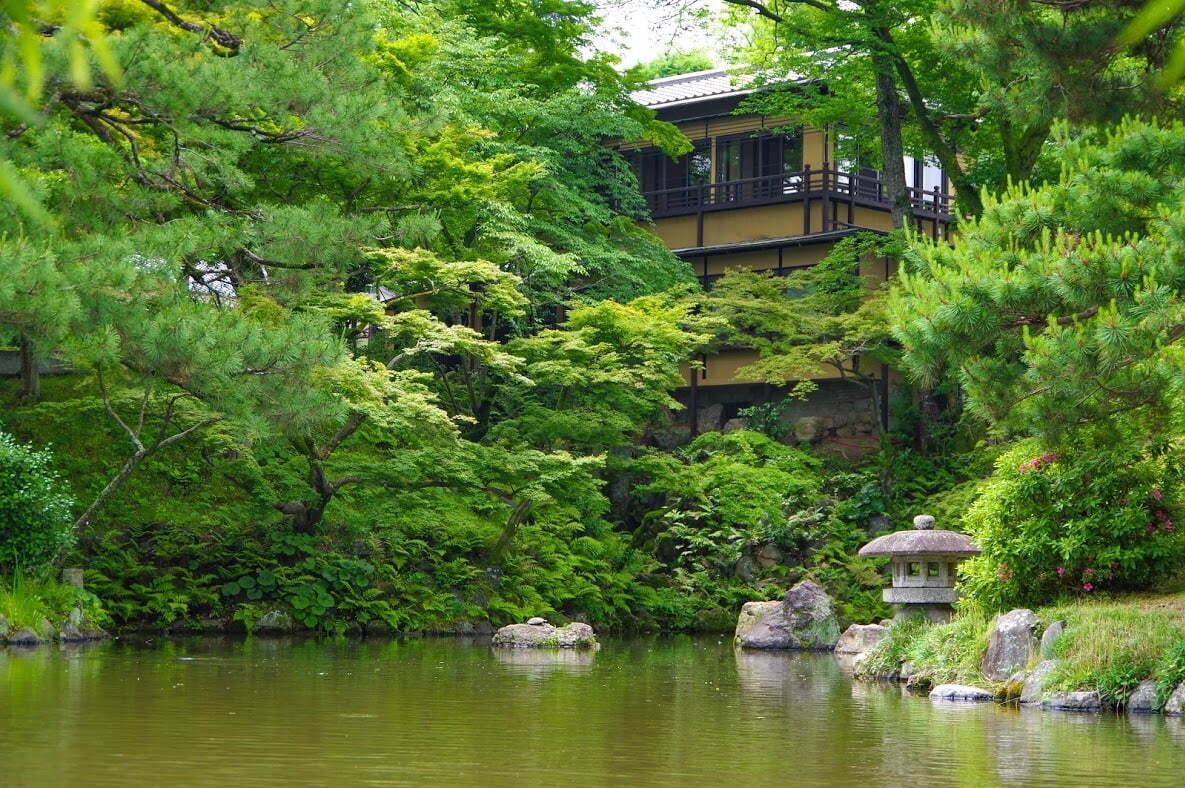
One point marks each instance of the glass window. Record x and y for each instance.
(754, 156)
(910, 171)
(932, 175)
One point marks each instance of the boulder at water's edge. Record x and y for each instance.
(859, 638)
(803, 619)
(1033, 689)
(546, 636)
(1012, 644)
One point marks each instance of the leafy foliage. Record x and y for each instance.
(1083, 521)
(34, 507)
(1061, 305)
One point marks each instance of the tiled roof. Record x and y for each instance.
(686, 88)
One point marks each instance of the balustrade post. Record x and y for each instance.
(806, 199)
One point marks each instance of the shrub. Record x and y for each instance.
(35, 523)
(1079, 522)
(723, 492)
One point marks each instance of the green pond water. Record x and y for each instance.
(678, 711)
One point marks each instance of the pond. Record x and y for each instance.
(670, 711)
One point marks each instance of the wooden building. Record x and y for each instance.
(761, 194)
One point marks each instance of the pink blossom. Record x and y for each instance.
(1061, 571)
(1087, 587)
(1158, 495)
(1088, 572)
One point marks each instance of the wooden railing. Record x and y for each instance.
(843, 188)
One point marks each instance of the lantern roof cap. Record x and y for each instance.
(922, 539)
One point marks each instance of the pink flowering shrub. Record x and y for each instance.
(1077, 522)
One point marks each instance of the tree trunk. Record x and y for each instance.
(1022, 147)
(113, 485)
(30, 372)
(306, 515)
(518, 515)
(888, 113)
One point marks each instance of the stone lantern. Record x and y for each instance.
(924, 562)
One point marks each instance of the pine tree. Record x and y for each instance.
(1062, 304)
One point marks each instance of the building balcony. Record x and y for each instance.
(806, 186)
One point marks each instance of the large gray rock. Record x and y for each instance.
(1175, 705)
(1051, 634)
(24, 637)
(1143, 699)
(959, 692)
(1033, 691)
(1073, 701)
(803, 619)
(575, 635)
(859, 638)
(1012, 644)
(747, 568)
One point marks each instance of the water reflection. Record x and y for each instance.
(539, 662)
(649, 711)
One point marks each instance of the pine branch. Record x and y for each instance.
(217, 34)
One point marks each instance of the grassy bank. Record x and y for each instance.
(1108, 646)
(34, 603)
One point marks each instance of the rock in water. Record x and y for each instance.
(1073, 701)
(1143, 700)
(24, 637)
(1012, 644)
(959, 692)
(803, 619)
(1175, 705)
(1032, 691)
(546, 636)
(859, 638)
